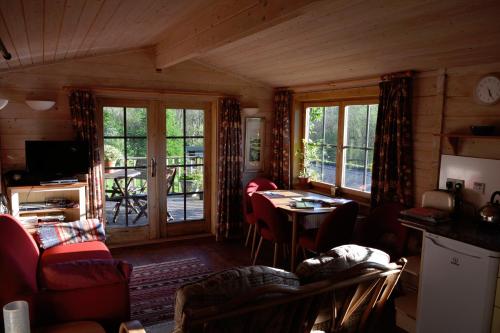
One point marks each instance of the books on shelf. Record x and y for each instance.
(426, 214)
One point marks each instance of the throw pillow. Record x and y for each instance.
(70, 233)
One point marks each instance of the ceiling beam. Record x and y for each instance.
(224, 22)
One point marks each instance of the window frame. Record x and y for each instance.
(339, 171)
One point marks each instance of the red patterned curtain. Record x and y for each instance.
(280, 162)
(83, 111)
(392, 178)
(230, 169)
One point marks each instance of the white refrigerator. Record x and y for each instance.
(457, 286)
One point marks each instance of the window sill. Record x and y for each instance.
(361, 198)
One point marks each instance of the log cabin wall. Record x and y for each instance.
(443, 101)
(133, 69)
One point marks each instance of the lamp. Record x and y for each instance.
(38, 105)
(250, 111)
(16, 317)
(3, 103)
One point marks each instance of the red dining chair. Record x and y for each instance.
(382, 229)
(271, 223)
(256, 184)
(337, 229)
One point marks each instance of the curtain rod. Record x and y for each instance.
(363, 81)
(151, 91)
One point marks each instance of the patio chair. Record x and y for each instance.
(141, 199)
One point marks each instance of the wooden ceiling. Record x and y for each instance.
(45, 31)
(276, 42)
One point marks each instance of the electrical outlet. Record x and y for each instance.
(451, 183)
(479, 187)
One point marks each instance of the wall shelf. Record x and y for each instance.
(455, 138)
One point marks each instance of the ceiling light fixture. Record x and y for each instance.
(38, 105)
(6, 55)
(3, 103)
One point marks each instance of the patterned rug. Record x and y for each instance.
(152, 288)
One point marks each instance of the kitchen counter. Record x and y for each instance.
(486, 237)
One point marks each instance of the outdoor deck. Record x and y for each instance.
(194, 211)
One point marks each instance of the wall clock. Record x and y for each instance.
(487, 89)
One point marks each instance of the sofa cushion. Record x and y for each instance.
(78, 251)
(70, 233)
(337, 260)
(225, 285)
(84, 274)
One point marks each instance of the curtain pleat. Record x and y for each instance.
(280, 162)
(392, 178)
(230, 163)
(83, 112)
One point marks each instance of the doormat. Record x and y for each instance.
(152, 288)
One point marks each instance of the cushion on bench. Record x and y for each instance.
(70, 233)
(223, 286)
(337, 260)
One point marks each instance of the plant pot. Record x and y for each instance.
(108, 164)
(303, 181)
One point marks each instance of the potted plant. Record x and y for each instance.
(111, 155)
(306, 153)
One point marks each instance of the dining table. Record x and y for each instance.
(286, 201)
(117, 175)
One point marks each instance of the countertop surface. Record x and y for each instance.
(474, 233)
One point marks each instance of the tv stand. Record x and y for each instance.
(34, 196)
(59, 181)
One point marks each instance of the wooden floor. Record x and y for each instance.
(217, 256)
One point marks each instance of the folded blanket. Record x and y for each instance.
(70, 233)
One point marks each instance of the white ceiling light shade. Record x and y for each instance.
(250, 111)
(3, 103)
(38, 105)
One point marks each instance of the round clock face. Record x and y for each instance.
(487, 90)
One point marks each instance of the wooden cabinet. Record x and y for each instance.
(39, 201)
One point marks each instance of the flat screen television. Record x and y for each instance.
(53, 160)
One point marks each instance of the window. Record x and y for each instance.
(338, 143)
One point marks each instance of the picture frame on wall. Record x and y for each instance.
(254, 143)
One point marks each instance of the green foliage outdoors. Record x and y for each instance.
(322, 135)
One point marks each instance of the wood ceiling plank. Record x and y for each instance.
(12, 13)
(70, 22)
(6, 39)
(34, 15)
(87, 19)
(217, 30)
(53, 19)
(105, 15)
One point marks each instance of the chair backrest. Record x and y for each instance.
(18, 261)
(170, 177)
(337, 228)
(267, 215)
(362, 292)
(384, 231)
(256, 184)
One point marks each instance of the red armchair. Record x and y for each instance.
(64, 283)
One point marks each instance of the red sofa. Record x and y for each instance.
(63, 283)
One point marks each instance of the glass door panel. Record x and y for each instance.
(185, 147)
(125, 169)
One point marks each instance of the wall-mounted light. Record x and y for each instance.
(3, 103)
(250, 111)
(38, 105)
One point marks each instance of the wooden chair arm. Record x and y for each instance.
(133, 326)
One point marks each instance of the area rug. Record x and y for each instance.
(152, 288)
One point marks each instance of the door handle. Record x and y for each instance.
(153, 167)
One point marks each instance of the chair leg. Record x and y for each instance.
(257, 252)
(250, 226)
(275, 258)
(254, 238)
